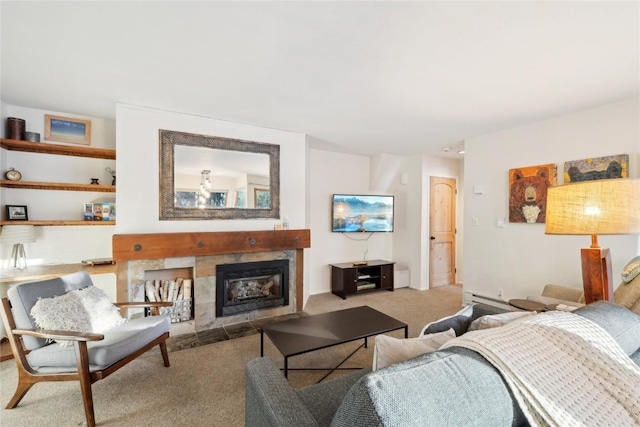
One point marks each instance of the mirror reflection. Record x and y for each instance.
(205, 177)
(213, 179)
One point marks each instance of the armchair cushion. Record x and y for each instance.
(82, 310)
(118, 343)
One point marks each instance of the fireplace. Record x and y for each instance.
(201, 253)
(248, 286)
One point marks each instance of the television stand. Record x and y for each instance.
(350, 278)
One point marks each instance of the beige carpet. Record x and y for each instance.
(205, 385)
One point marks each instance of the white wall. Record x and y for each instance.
(138, 170)
(331, 173)
(520, 258)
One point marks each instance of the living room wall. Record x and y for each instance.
(333, 172)
(520, 258)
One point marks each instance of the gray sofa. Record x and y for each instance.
(452, 387)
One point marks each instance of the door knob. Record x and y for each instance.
(432, 238)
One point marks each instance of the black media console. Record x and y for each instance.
(350, 279)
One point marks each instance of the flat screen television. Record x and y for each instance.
(354, 213)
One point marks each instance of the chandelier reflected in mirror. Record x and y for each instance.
(205, 187)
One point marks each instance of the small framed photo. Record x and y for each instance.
(66, 129)
(88, 211)
(17, 213)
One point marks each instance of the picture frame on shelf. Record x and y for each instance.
(67, 129)
(17, 213)
(88, 211)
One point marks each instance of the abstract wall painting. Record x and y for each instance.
(528, 192)
(608, 167)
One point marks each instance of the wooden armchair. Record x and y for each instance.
(92, 356)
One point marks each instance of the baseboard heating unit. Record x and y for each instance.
(481, 299)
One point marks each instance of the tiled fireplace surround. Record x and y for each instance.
(200, 253)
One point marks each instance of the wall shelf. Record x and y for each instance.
(35, 185)
(62, 150)
(58, 222)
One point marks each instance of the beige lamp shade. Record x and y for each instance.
(13, 234)
(609, 206)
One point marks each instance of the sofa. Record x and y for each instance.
(451, 387)
(627, 294)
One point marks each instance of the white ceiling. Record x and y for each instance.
(360, 77)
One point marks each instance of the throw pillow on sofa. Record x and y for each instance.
(459, 321)
(389, 350)
(631, 270)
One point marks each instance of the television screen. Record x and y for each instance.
(362, 213)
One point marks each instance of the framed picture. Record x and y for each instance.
(595, 168)
(528, 192)
(17, 213)
(66, 129)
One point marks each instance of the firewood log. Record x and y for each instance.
(150, 290)
(178, 289)
(187, 289)
(170, 295)
(156, 285)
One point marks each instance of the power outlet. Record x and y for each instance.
(500, 292)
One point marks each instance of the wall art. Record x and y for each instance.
(66, 129)
(528, 192)
(608, 167)
(17, 213)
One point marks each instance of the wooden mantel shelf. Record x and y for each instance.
(128, 247)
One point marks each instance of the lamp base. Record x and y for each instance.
(19, 257)
(596, 274)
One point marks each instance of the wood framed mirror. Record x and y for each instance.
(209, 177)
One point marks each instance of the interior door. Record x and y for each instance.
(442, 231)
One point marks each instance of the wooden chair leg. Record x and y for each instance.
(21, 389)
(82, 358)
(165, 355)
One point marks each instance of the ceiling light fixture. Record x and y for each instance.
(205, 185)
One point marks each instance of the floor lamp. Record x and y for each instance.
(18, 235)
(610, 206)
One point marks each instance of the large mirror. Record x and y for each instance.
(208, 177)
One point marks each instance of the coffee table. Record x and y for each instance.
(305, 334)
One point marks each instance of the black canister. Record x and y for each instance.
(15, 128)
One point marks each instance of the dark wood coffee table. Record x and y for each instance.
(298, 336)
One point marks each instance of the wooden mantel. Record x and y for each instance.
(127, 247)
(130, 247)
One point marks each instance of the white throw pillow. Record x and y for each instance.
(495, 320)
(82, 310)
(389, 350)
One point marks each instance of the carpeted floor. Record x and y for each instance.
(205, 384)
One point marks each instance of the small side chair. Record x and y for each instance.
(92, 357)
